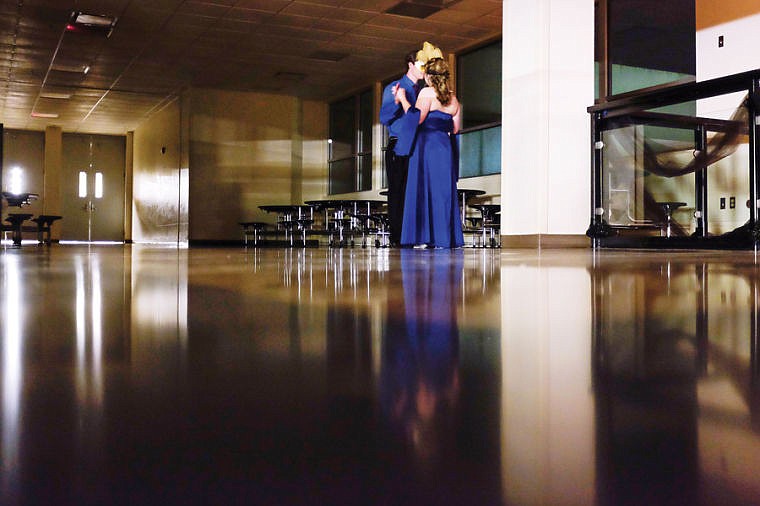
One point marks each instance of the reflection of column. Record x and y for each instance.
(13, 314)
(547, 406)
(158, 312)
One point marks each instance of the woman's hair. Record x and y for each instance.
(438, 70)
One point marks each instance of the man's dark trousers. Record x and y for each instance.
(396, 168)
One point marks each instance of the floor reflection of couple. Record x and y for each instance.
(420, 375)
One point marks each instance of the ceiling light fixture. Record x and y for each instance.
(76, 69)
(81, 22)
(55, 95)
(44, 115)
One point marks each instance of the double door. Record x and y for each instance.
(93, 187)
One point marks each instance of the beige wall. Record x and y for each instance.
(715, 12)
(226, 154)
(25, 150)
(737, 23)
(244, 152)
(128, 178)
(52, 175)
(157, 206)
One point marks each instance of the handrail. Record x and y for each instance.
(484, 126)
(674, 93)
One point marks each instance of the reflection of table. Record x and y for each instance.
(19, 199)
(16, 220)
(464, 195)
(668, 208)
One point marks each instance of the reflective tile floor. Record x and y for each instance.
(144, 375)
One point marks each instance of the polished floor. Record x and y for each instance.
(154, 375)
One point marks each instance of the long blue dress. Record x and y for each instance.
(431, 209)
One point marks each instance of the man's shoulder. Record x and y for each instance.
(392, 84)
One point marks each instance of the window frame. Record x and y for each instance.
(360, 157)
(486, 125)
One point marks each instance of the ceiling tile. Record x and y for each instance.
(159, 47)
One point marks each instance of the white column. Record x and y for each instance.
(548, 82)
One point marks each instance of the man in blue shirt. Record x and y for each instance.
(402, 129)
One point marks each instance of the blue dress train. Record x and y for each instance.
(431, 208)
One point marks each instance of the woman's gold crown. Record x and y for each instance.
(428, 52)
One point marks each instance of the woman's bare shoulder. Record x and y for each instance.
(453, 106)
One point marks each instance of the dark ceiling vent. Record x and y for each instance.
(333, 56)
(91, 23)
(292, 77)
(416, 8)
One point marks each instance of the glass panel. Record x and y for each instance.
(365, 172)
(649, 42)
(16, 180)
(366, 120)
(98, 185)
(479, 85)
(82, 184)
(342, 128)
(641, 181)
(480, 152)
(351, 138)
(384, 182)
(625, 78)
(341, 176)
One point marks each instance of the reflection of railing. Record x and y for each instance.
(634, 109)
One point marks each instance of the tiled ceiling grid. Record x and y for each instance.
(92, 83)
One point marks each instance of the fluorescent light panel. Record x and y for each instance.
(81, 22)
(81, 18)
(77, 69)
(55, 95)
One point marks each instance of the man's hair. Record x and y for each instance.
(411, 57)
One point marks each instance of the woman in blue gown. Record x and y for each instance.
(431, 209)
